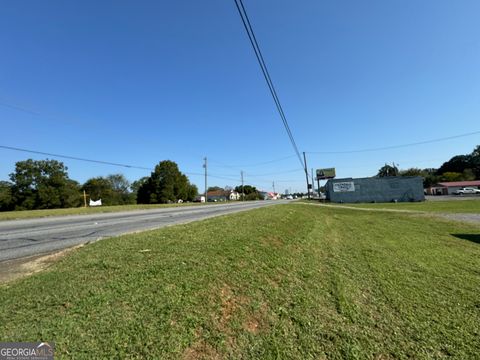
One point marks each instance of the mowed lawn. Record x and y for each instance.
(288, 281)
(445, 206)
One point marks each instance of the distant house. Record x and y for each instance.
(233, 195)
(449, 187)
(269, 195)
(223, 195)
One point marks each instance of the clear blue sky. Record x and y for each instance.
(139, 82)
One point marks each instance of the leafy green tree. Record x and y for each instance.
(121, 189)
(467, 164)
(468, 175)
(43, 184)
(475, 161)
(246, 189)
(412, 172)
(452, 176)
(249, 192)
(6, 198)
(388, 170)
(113, 189)
(456, 164)
(99, 188)
(166, 184)
(253, 196)
(138, 183)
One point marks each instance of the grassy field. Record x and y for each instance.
(452, 206)
(28, 214)
(284, 282)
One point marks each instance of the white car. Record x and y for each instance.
(467, 190)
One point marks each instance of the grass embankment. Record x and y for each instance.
(29, 214)
(447, 206)
(290, 281)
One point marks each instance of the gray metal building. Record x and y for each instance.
(367, 190)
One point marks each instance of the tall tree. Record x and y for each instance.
(475, 161)
(121, 189)
(43, 184)
(456, 164)
(412, 172)
(113, 189)
(166, 184)
(248, 192)
(388, 170)
(6, 198)
(138, 183)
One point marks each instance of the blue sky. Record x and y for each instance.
(139, 82)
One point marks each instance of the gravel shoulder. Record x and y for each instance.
(469, 218)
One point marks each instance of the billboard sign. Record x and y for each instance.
(345, 186)
(323, 174)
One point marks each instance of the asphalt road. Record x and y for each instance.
(21, 238)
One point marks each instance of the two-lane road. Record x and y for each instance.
(21, 238)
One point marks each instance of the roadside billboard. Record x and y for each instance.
(323, 174)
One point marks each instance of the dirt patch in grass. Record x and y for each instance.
(257, 321)
(201, 350)
(272, 240)
(14, 269)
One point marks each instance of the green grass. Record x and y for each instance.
(28, 214)
(452, 206)
(283, 282)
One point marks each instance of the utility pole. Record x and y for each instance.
(313, 190)
(273, 184)
(243, 193)
(306, 174)
(206, 192)
(85, 198)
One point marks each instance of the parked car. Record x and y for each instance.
(467, 190)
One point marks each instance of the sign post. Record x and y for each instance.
(324, 174)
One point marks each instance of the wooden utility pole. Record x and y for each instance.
(313, 190)
(206, 188)
(85, 198)
(306, 174)
(243, 192)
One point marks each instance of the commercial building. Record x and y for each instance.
(375, 189)
(450, 187)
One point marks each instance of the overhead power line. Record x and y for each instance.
(63, 156)
(276, 173)
(396, 146)
(241, 166)
(58, 118)
(266, 74)
(75, 158)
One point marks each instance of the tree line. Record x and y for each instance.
(45, 184)
(458, 168)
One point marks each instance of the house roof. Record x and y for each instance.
(216, 193)
(460, 183)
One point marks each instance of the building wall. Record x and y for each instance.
(386, 189)
(451, 189)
